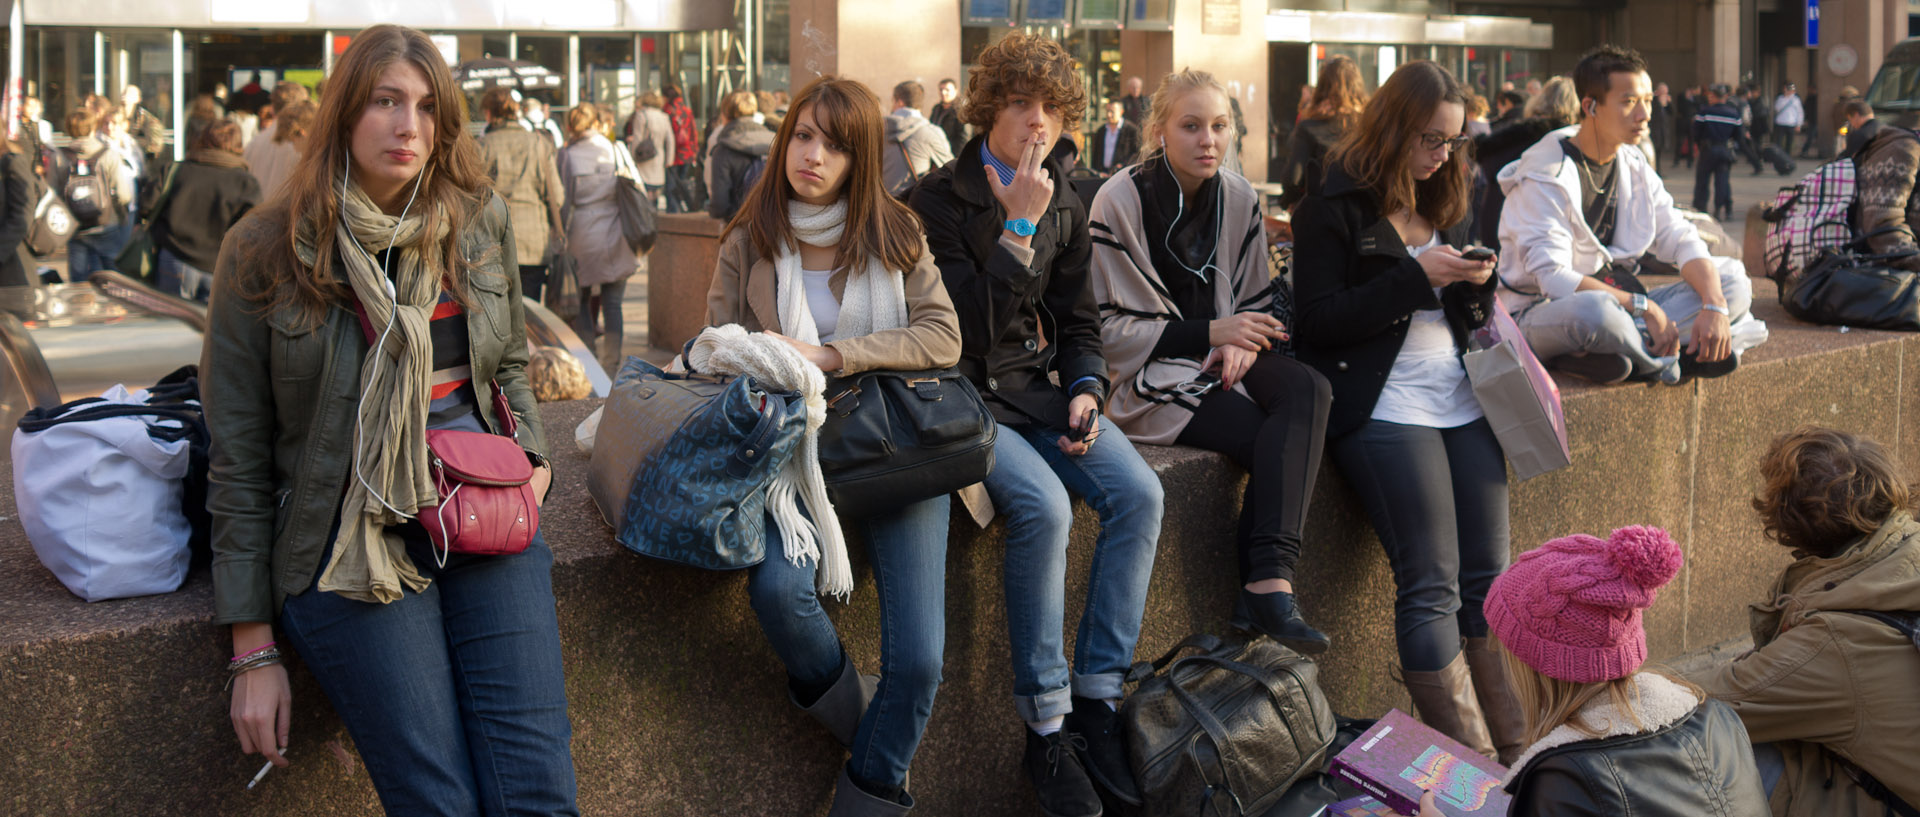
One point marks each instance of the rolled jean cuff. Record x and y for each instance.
(1050, 704)
(1105, 686)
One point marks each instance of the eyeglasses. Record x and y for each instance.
(1433, 141)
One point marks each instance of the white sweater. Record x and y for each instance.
(1545, 244)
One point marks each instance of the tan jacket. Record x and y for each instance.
(1821, 678)
(743, 293)
(526, 174)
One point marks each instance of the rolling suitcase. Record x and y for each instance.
(1782, 163)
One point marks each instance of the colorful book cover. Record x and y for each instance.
(1400, 757)
(1362, 806)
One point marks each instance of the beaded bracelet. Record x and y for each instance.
(238, 658)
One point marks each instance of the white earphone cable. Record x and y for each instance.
(380, 343)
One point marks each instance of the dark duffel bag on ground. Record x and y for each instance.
(894, 438)
(1225, 730)
(1845, 288)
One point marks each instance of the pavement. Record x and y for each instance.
(1748, 188)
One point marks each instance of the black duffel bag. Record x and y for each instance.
(1843, 287)
(894, 438)
(1226, 730)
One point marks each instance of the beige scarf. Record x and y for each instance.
(389, 482)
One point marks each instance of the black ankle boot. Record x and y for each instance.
(1276, 615)
(1105, 754)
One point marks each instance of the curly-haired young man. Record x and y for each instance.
(1012, 244)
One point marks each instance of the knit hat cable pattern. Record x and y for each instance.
(1572, 607)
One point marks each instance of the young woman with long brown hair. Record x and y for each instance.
(1385, 303)
(820, 256)
(444, 667)
(1337, 101)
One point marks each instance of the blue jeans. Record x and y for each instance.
(1029, 484)
(88, 253)
(176, 277)
(909, 552)
(453, 695)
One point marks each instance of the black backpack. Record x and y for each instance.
(748, 178)
(87, 192)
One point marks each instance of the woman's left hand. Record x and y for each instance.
(1427, 807)
(1232, 362)
(825, 357)
(542, 482)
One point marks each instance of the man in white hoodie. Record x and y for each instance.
(914, 145)
(1580, 214)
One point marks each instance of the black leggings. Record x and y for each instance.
(1277, 437)
(1438, 501)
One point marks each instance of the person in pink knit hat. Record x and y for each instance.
(1604, 736)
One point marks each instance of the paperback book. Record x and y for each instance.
(1401, 757)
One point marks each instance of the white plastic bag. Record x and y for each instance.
(101, 501)
(589, 429)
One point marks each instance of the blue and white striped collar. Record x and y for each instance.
(1002, 168)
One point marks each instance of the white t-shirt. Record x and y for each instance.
(1427, 385)
(820, 301)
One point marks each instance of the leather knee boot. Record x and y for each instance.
(844, 704)
(1506, 722)
(1445, 701)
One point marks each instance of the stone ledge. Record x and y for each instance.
(116, 708)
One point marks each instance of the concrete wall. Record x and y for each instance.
(891, 46)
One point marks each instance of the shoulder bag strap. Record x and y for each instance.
(503, 410)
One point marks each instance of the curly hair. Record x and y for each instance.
(555, 375)
(1822, 488)
(1024, 64)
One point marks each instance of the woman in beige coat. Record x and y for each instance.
(523, 169)
(603, 260)
(820, 256)
(1186, 315)
(1829, 692)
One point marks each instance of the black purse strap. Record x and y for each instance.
(1204, 642)
(1210, 723)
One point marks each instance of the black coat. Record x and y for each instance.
(206, 201)
(1004, 305)
(16, 215)
(1126, 148)
(1306, 166)
(1497, 150)
(1355, 289)
(735, 149)
(1701, 766)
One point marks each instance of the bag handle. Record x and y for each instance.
(754, 448)
(1204, 642)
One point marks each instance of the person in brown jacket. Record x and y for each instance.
(822, 258)
(526, 174)
(1828, 692)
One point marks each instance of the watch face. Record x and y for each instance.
(1020, 227)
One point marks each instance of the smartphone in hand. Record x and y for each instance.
(1478, 254)
(1078, 434)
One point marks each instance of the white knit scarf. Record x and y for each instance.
(875, 297)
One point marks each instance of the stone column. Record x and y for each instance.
(1869, 28)
(1235, 58)
(1718, 59)
(879, 42)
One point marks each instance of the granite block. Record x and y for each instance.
(679, 272)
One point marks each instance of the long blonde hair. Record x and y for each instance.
(1548, 703)
(1176, 85)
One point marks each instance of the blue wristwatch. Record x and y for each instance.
(1020, 227)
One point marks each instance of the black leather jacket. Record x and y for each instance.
(1700, 766)
(1005, 305)
(1356, 289)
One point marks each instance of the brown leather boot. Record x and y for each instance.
(1506, 722)
(1445, 701)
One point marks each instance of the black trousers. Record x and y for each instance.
(533, 280)
(1438, 501)
(1715, 168)
(1277, 437)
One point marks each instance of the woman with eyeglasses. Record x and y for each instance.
(1386, 299)
(1180, 272)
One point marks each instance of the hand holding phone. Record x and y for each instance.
(1078, 433)
(1478, 254)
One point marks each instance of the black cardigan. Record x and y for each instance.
(1356, 289)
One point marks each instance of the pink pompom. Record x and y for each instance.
(1646, 555)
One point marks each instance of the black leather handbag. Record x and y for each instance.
(1226, 730)
(1846, 288)
(894, 438)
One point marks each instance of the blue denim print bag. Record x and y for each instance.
(681, 463)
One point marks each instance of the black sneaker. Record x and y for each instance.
(1105, 754)
(1053, 764)
(1597, 368)
(1691, 366)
